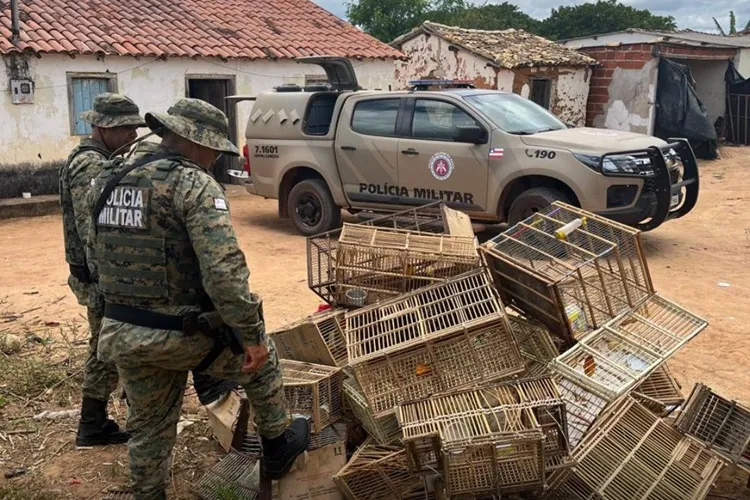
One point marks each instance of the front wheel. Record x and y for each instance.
(312, 209)
(532, 201)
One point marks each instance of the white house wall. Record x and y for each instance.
(742, 62)
(632, 93)
(710, 85)
(40, 132)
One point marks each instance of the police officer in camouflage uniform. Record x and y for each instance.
(163, 246)
(114, 120)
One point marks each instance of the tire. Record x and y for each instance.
(312, 209)
(533, 200)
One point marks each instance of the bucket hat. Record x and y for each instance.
(113, 110)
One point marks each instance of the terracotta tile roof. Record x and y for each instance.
(255, 29)
(510, 48)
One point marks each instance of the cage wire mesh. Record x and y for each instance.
(611, 361)
(659, 392)
(375, 472)
(630, 453)
(375, 263)
(720, 424)
(317, 339)
(236, 476)
(322, 249)
(533, 340)
(570, 269)
(313, 390)
(383, 430)
(484, 441)
(582, 407)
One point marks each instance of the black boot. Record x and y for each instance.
(279, 453)
(95, 429)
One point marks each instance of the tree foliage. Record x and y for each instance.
(388, 19)
(604, 16)
(732, 23)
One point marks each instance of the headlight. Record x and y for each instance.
(626, 165)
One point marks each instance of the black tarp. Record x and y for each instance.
(738, 106)
(679, 112)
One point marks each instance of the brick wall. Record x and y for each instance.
(633, 56)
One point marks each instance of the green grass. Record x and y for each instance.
(35, 178)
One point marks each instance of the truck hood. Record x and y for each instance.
(592, 140)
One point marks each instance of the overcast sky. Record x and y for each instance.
(694, 14)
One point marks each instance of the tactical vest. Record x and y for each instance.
(75, 253)
(143, 254)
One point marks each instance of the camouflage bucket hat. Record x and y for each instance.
(198, 122)
(113, 110)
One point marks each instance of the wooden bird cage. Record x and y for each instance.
(722, 425)
(630, 453)
(384, 430)
(235, 476)
(322, 248)
(659, 392)
(614, 359)
(582, 407)
(377, 472)
(374, 264)
(533, 341)
(313, 390)
(484, 441)
(574, 281)
(317, 339)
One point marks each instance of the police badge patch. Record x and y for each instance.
(220, 204)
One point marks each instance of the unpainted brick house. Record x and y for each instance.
(624, 89)
(511, 60)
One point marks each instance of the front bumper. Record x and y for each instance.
(654, 205)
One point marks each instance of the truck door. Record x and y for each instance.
(367, 150)
(433, 164)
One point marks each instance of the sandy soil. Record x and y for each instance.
(700, 262)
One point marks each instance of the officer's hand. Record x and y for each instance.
(255, 357)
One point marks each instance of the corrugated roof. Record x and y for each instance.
(685, 36)
(255, 29)
(512, 48)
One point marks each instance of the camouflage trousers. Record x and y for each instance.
(153, 367)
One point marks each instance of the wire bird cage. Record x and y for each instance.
(614, 359)
(235, 476)
(317, 339)
(632, 454)
(313, 390)
(322, 248)
(533, 340)
(484, 441)
(374, 264)
(570, 269)
(659, 392)
(376, 472)
(721, 424)
(582, 407)
(384, 430)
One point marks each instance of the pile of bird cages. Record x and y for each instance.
(534, 341)
(630, 453)
(582, 407)
(317, 339)
(482, 441)
(659, 392)
(313, 390)
(322, 248)
(431, 341)
(614, 359)
(384, 430)
(235, 476)
(721, 424)
(570, 269)
(377, 471)
(374, 264)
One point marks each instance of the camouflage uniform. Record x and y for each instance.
(164, 241)
(84, 164)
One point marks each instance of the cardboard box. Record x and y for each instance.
(228, 418)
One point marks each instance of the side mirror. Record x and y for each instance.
(471, 134)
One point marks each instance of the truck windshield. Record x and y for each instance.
(514, 114)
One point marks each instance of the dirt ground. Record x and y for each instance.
(701, 262)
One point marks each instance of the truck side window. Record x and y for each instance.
(437, 120)
(376, 117)
(320, 114)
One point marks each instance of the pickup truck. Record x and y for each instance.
(494, 155)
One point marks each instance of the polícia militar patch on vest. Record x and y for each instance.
(126, 208)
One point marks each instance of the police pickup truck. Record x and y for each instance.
(493, 155)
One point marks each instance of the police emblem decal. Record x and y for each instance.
(441, 166)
